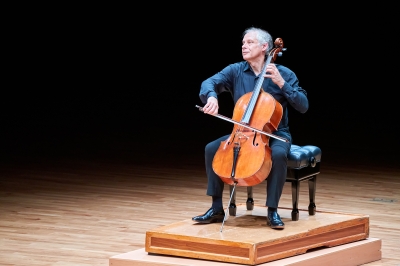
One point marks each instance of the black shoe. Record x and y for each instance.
(274, 220)
(211, 216)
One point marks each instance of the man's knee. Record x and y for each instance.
(279, 154)
(210, 149)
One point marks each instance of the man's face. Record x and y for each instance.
(251, 48)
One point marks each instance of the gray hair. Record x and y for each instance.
(262, 36)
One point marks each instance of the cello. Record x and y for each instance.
(244, 158)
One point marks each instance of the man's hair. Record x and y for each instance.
(262, 36)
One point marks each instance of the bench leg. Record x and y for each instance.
(312, 185)
(232, 206)
(295, 200)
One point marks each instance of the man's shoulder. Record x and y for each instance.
(285, 71)
(239, 65)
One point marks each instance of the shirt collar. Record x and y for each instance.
(247, 67)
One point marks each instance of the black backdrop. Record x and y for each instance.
(123, 82)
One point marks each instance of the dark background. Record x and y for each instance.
(122, 82)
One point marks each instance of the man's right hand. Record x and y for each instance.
(211, 106)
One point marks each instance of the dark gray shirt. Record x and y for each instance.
(239, 79)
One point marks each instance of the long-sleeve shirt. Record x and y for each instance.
(239, 79)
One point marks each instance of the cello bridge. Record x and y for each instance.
(241, 136)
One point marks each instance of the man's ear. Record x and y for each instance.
(265, 47)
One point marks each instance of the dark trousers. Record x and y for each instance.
(275, 180)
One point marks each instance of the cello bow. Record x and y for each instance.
(246, 126)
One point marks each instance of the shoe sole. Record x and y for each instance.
(215, 220)
(277, 227)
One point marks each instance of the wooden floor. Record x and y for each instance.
(82, 211)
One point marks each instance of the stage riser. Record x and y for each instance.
(355, 253)
(246, 239)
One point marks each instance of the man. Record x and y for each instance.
(238, 79)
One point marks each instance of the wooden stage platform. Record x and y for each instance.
(246, 239)
(355, 253)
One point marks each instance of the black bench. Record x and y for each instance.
(303, 164)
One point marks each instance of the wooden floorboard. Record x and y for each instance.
(80, 211)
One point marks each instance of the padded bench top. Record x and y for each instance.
(303, 156)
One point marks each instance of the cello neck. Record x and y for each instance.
(257, 88)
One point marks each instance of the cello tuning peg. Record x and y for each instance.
(280, 53)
